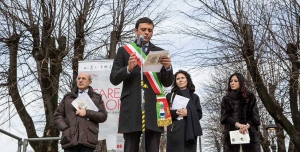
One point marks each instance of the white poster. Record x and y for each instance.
(100, 71)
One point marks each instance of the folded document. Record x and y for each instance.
(238, 138)
(84, 101)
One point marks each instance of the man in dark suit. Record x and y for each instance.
(126, 69)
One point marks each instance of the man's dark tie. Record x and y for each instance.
(144, 48)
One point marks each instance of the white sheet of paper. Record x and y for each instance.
(179, 102)
(238, 138)
(84, 101)
(152, 63)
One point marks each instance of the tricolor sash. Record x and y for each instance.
(162, 108)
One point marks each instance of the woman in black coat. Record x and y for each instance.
(182, 134)
(239, 111)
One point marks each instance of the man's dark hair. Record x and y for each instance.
(143, 20)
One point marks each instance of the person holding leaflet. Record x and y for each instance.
(239, 111)
(182, 134)
(80, 127)
(126, 68)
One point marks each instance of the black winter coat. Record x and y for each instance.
(76, 129)
(130, 119)
(177, 132)
(234, 109)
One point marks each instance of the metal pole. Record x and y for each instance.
(25, 144)
(11, 135)
(43, 138)
(20, 143)
(200, 144)
(143, 86)
(14, 136)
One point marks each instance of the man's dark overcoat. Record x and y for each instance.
(130, 119)
(178, 130)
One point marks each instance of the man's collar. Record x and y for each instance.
(80, 91)
(147, 44)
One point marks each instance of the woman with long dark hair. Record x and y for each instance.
(239, 112)
(182, 134)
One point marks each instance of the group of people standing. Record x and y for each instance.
(80, 127)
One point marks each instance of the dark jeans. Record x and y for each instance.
(79, 148)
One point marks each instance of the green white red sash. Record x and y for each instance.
(162, 108)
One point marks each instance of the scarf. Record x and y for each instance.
(163, 114)
(192, 125)
(243, 105)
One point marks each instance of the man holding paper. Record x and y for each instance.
(127, 69)
(80, 125)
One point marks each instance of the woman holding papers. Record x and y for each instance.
(186, 113)
(239, 112)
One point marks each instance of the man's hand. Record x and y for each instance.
(166, 61)
(81, 112)
(132, 62)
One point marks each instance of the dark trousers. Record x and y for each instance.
(79, 148)
(133, 139)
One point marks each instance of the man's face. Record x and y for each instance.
(146, 30)
(83, 81)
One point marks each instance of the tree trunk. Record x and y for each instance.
(293, 89)
(115, 35)
(217, 143)
(12, 44)
(279, 130)
(78, 46)
(294, 83)
(48, 59)
(291, 147)
(55, 57)
(280, 138)
(113, 45)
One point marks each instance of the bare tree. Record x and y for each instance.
(43, 28)
(43, 41)
(84, 11)
(48, 62)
